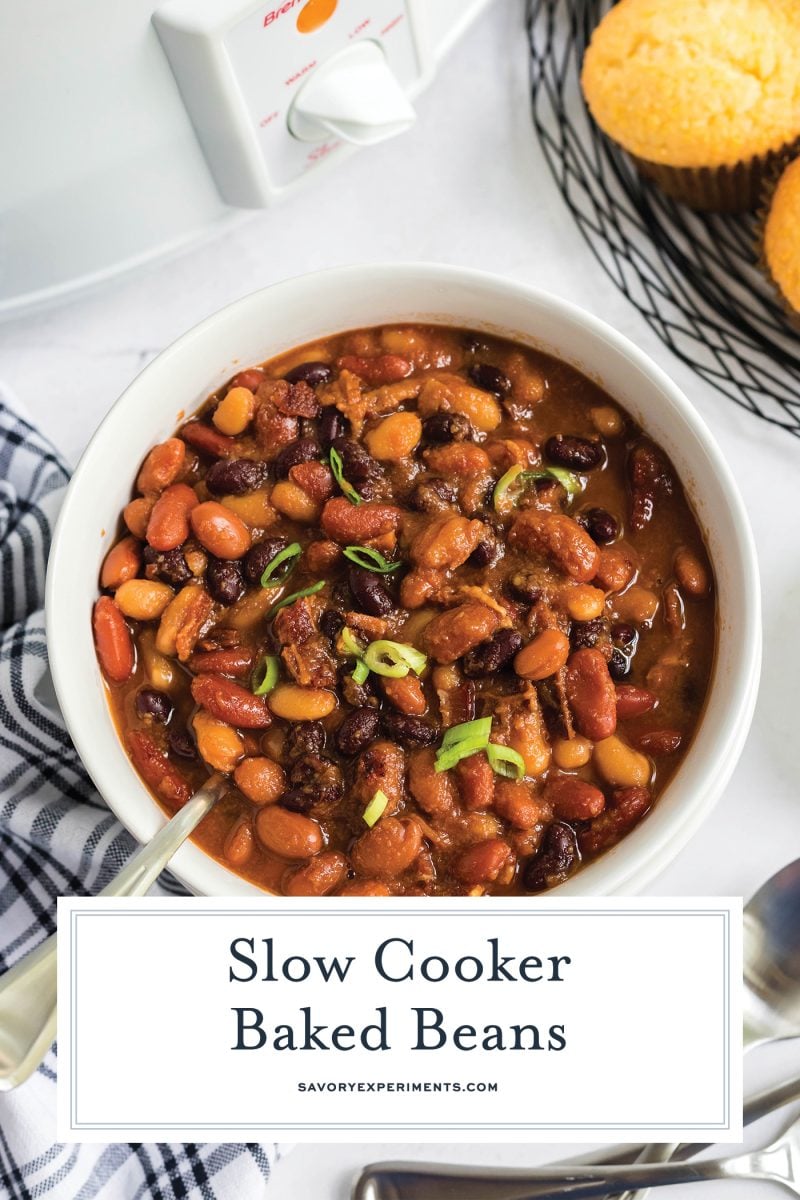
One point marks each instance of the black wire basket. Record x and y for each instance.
(693, 276)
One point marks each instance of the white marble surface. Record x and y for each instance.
(467, 185)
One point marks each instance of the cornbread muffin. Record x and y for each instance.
(702, 93)
(781, 238)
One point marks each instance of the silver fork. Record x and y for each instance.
(777, 1163)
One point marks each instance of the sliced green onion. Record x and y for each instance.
(265, 675)
(349, 642)
(394, 659)
(505, 491)
(284, 558)
(360, 672)
(481, 728)
(376, 808)
(337, 466)
(370, 560)
(448, 756)
(505, 761)
(309, 591)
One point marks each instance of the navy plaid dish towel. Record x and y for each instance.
(57, 837)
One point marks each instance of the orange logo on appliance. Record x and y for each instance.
(312, 15)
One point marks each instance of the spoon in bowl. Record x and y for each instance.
(28, 989)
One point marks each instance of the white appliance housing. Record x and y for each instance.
(128, 131)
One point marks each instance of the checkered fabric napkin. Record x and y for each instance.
(57, 837)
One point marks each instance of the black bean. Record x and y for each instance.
(447, 427)
(623, 634)
(259, 557)
(525, 587)
(619, 665)
(154, 705)
(556, 860)
(312, 373)
(357, 694)
(304, 737)
(370, 592)
(170, 565)
(490, 379)
(181, 743)
(235, 476)
(409, 731)
(320, 776)
(585, 634)
(485, 553)
(358, 465)
(299, 800)
(225, 580)
(301, 450)
(472, 342)
(331, 425)
(493, 655)
(600, 525)
(575, 453)
(331, 623)
(357, 730)
(432, 495)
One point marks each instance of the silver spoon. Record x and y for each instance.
(28, 989)
(777, 1163)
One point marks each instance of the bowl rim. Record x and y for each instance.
(639, 857)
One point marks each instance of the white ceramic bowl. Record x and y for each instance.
(302, 310)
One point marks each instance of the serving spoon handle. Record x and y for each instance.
(28, 989)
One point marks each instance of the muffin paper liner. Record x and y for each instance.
(737, 188)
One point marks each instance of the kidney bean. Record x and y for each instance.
(450, 635)
(432, 495)
(573, 799)
(162, 466)
(209, 441)
(237, 661)
(230, 702)
(301, 450)
(113, 641)
(357, 730)
(447, 427)
(590, 694)
(409, 731)
(320, 876)
(492, 656)
(574, 453)
(484, 862)
(288, 834)
(251, 379)
(122, 563)
(331, 426)
(385, 368)
(559, 538)
(648, 475)
(305, 737)
(235, 476)
(633, 701)
(220, 531)
(347, 523)
(313, 373)
(260, 779)
(601, 526)
(154, 705)
(225, 580)
(389, 848)
(490, 379)
(555, 862)
(628, 806)
(370, 592)
(660, 741)
(162, 776)
(181, 743)
(168, 526)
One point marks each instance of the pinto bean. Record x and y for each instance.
(546, 654)
(591, 695)
(260, 779)
(218, 529)
(446, 542)
(385, 368)
(345, 522)
(388, 849)
(485, 862)
(406, 694)
(123, 562)
(168, 526)
(573, 799)
(162, 776)
(559, 538)
(365, 887)
(288, 834)
(476, 782)
(162, 466)
(239, 843)
(143, 599)
(230, 702)
(320, 876)
(113, 641)
(518, 804)
(381, 766)
(692, 573)
(450, 635)
(136, 515)
(434, 792)
(628, 806)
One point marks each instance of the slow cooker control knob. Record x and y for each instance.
(353, 96)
